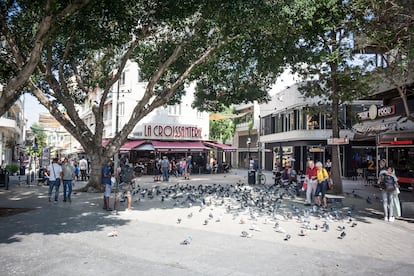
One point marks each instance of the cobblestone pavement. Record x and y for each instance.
(80, 238)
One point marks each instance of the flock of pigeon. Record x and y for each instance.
(271, 205)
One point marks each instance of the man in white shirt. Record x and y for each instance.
(83, 166)
(55, 178)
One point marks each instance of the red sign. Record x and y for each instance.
(404, 142)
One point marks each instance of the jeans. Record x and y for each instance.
(54, 184)
(67, 184)
(388, 201)
(322, 188)
(165, 174)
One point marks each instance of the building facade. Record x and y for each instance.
(176, 131)
(12, 126)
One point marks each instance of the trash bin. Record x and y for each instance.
(251, 179)
(22, 170)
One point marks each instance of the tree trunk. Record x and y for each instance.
(96, 162)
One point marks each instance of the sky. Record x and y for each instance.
(32, 109)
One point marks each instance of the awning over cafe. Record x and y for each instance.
(179, 146)
(219, 146)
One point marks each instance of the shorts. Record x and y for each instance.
(107, 192)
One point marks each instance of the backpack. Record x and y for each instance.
(389, 183)
(127, 174)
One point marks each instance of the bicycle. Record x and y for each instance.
(261, 177)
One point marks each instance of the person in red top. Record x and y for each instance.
(311, 181)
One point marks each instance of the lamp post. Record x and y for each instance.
(259, 147)
(249, 141)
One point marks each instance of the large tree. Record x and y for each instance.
(328, 63)
(389, 33)
(233, 50)
(24, 27)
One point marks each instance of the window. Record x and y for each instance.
(122, 78)
(174, 110)
(121, 109)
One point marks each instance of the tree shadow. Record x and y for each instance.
(84, 214)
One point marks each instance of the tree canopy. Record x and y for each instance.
(232, 50)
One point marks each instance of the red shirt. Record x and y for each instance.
(311, 173)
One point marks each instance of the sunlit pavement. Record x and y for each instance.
(80, 238)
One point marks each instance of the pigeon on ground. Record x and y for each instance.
(342, 235)
(187, 241)
(178, 220)
(369, 201)
(205, 222)
(341, 228)
(245, 234)
(279, 229)
(287, 237)
(190, 215)
(354, 224)
(255, 228)
(113, 233)
(303, 232)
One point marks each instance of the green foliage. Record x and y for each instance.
(12, 168)
(223, 129)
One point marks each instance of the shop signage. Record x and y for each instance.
(374, 112)
(172, 131)
(317, 149)
(338, 141)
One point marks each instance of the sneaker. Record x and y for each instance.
(55, 202)
(49, 199)
(392, 219)
(385, 219)
(108, 209)
(64, 200)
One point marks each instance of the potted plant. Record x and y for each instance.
(12, 168)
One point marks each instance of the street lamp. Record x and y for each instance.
(249, 141)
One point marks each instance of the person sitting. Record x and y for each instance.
(289, 174)
(226, 167)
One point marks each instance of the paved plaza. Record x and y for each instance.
(80, 238)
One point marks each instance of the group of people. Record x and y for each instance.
(60, 173)
(316, 182)
(388, 183)
(165, 168)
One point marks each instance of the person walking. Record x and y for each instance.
(311, 181)
(322, 177)
(55, 179)
(388, 184)
(83, 166)
(68, 172)
(165, 166)
(106, 184)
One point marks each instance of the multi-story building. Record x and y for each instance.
(12, 125)
(175, 130)
(288, 132)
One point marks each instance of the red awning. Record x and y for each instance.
(179, 146)
(130, 145)
(223, 147)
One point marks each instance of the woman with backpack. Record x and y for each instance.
(388, 184)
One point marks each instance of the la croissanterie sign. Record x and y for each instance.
(172, 131)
